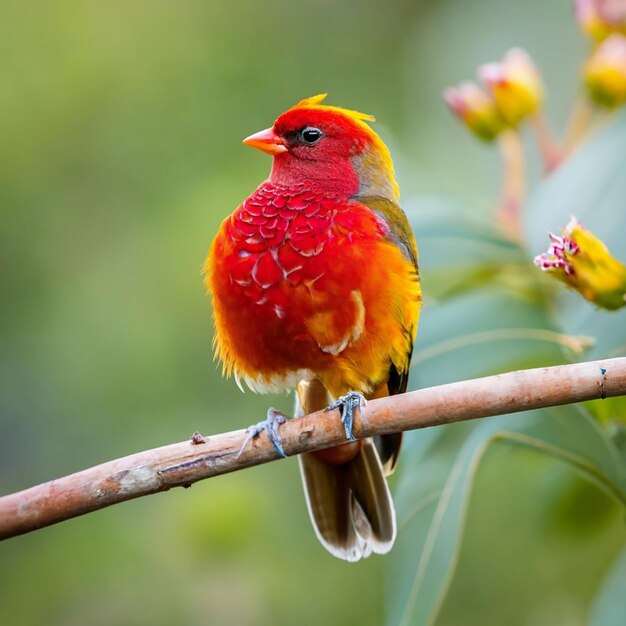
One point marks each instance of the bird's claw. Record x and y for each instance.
(348, 404)
(270, 426)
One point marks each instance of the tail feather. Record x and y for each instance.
(369, 489)
(330, 503)
(349, 504)
(388, 447)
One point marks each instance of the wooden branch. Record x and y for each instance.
(181, 464)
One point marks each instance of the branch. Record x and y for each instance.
(181, 464)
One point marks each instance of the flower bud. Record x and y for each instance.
(475, 108)
(605, 72)
(600, 18)
(583, 262)
(514, 84)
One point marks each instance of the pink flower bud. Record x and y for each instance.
(515, 85)
(605, 72)
(474, 107)
(600, 18)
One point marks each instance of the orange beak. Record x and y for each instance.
(266, 141)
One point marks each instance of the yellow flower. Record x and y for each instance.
(475, 108)
(583, 262)
(605, 72)
(600, 18)
(515, 85)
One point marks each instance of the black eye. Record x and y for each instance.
(310, 135)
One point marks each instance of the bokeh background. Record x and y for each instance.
(120, 134)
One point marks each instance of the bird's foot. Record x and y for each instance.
(348, 403)
(270, 426)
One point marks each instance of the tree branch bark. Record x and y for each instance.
(181, 464)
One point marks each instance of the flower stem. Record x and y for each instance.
(549, 148)
(579, 124)
(514, 188)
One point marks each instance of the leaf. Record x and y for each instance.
(482, 332)
(438, 476)
(459, 250)
(538, 539)
(609, 607)
(463, 334)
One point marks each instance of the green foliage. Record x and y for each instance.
(527, 507)
(609, 606)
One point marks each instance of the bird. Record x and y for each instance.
(315, 287)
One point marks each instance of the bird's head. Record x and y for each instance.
(330, 147)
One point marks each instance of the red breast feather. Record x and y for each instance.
(288, 275)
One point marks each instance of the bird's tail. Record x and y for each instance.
(349, 503)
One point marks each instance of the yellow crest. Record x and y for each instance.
(315, 102)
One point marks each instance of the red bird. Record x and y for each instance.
(315, 286)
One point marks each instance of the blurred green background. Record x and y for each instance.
(121, 127)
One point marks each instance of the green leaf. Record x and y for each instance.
(538, 540)
(438, 473)
(493, 324)
(609, 607)
(459, 250)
